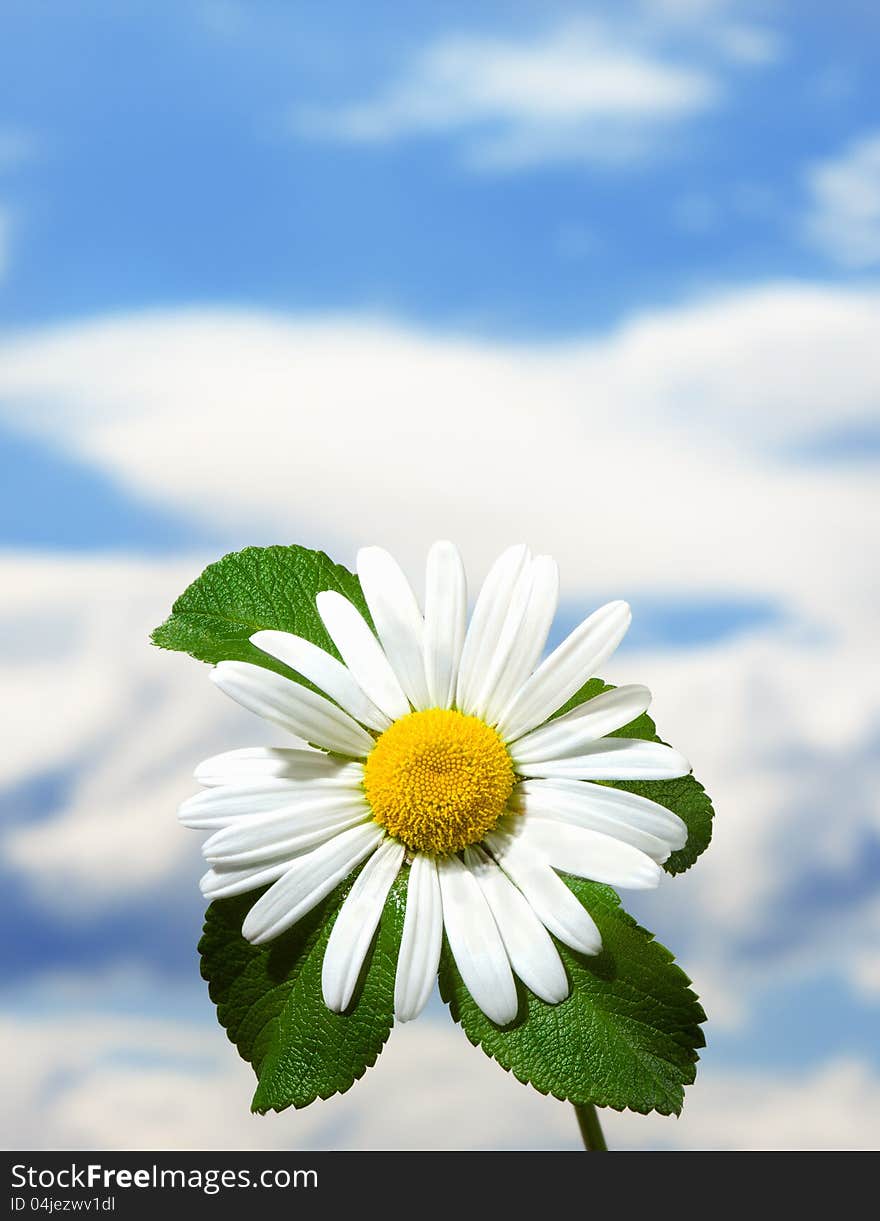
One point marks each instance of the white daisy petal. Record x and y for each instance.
(292, 706)
(228, 802)
(222, 883)
(322, 669)
(290, 830)
(487, 621)
(614, 759)
(398, 620)
(553, 903)
(475, 942)
(566, 670)
(495, 659)
(590, 854)
(579, 814)
(262, 762)
(636, 820)
(445, 621)
(356, 924)
(420, 944)
(529, 946)
(308, 880)
(530, 636)
(219, 807)
(362, 653)
(568, 734)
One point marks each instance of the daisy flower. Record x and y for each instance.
(432, 747)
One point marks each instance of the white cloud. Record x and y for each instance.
(577, 92)
(865, 970)
(843, 217)
(323, 430)
(93, 1080)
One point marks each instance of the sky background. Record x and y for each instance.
(602, 278)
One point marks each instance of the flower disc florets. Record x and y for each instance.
(438, 780)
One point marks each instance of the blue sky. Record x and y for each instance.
(602, 276)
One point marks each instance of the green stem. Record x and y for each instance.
(591, 1129)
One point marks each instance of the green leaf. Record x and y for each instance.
(626, 1037)
(686, 797)
(260, 587)
(269, 999)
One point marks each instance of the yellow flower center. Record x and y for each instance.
(438, 780)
